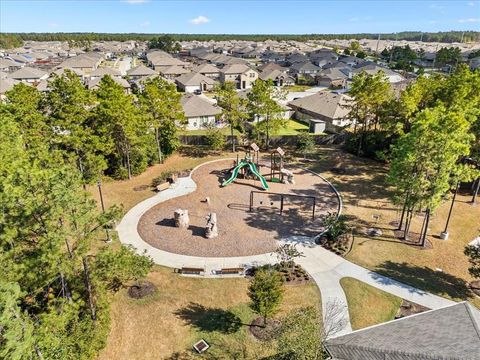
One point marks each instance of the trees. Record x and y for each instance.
(266, 293)
(370, 94)
(300, 336)
(166, 43)
(68, 107)
(161, 102)
(54, 299)
(425, 159)
(233, 107)
(287, 253)
(448, 56)
(215, 138)
(473, 253)
(264, 107)
(117, 116)
(305, 144)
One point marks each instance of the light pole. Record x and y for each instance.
(99, 184)
(444, 233)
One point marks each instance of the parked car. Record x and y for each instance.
(197, 92)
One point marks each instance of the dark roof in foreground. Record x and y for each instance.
(452, 333)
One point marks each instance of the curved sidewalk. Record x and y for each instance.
(325, 267)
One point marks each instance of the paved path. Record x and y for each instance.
(325, 267)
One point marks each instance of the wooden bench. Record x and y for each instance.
(163, 186)
(232, 271)
(192, 270)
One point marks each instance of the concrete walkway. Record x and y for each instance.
(325, 267)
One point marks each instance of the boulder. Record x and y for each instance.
(181, 218)
(287, 176)
(211, 230)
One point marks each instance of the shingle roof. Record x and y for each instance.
(235, 69)
(206, 69)
(306, 66)
(105, 71)
(94, 83)
(194, 106)
(333, 74)
(140, 70)
(27, 73)
(451, 333)
(323, 103)
(7, 85)
(174, 70)
(194, 78)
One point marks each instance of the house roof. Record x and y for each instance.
(174, 70)
(235, 69)
(7, 85)
(194, 106)
(274, 74)
(451, 333)
(88, 60)
(8, 63)
(323, 103)
(306, 66)
(167, 61)
(105, 71)
(194, 78)
(334, 74)
(94, 83)
(270, 67)
(206, 69)
(27, 73)
(140, 70)
(61, 71)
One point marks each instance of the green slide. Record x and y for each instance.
(252, 168)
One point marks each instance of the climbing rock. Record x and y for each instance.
(181, 218)
(287, 176)
(211, 229)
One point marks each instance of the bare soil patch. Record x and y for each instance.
(409, 308)
(267, 332)
(241, 232)
(140, 291)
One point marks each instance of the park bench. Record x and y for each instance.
(232, 271)
(163, 186)
(192, 270)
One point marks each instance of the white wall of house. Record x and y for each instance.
(201, 122)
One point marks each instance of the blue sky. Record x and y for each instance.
(238, 17)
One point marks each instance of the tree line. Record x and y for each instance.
(446, 37)
(430, 135)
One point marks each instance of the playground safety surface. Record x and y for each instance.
(241, 232)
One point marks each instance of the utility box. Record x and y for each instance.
(316, 126)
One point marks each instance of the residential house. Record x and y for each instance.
(61, 71)
(208, 70)
(159, 60)
(199, 112)
(452, 332)
(139, 72)
(93, 84)
(86, 63)
(323, 57)
(102, 71)
(372, 69)
(333, 78)
(475, 63)
(270, 67)
(325, 106)
(194, 81)
(171, 72)
(279, 77)
(295, 58)
(242, 75)
(29, 75)
(305, 68)
(9, 65)
(272, 57)
(6, 84)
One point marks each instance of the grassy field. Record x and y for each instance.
(292, 127)
(367, 305)
(131, 192)
(297, 88)
(187, 309)
(442, 269)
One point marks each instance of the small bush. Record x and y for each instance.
(161, 178)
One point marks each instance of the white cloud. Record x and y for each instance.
(200, 20)
(471, 3)
(145, 23)
(135, 1)
(469, 20)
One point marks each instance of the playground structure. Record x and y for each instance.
(276, 165)
(247, 167)
(312, 199)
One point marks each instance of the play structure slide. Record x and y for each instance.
(252, 168)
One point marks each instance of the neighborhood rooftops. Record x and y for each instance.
(196, 106)
(323, 104)
(194, 78)
(449, 333)
(28, 73)
(140, 70)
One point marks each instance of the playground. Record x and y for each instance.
(257, 201)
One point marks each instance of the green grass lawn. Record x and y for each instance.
(185, 310)
(225, 131)
(368, 305)
(293, 127)
(297, 88)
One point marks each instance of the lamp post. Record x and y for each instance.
(99, 184)
(444, 233)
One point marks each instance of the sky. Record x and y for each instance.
(238, 17)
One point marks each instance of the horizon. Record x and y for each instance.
(217, 18)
